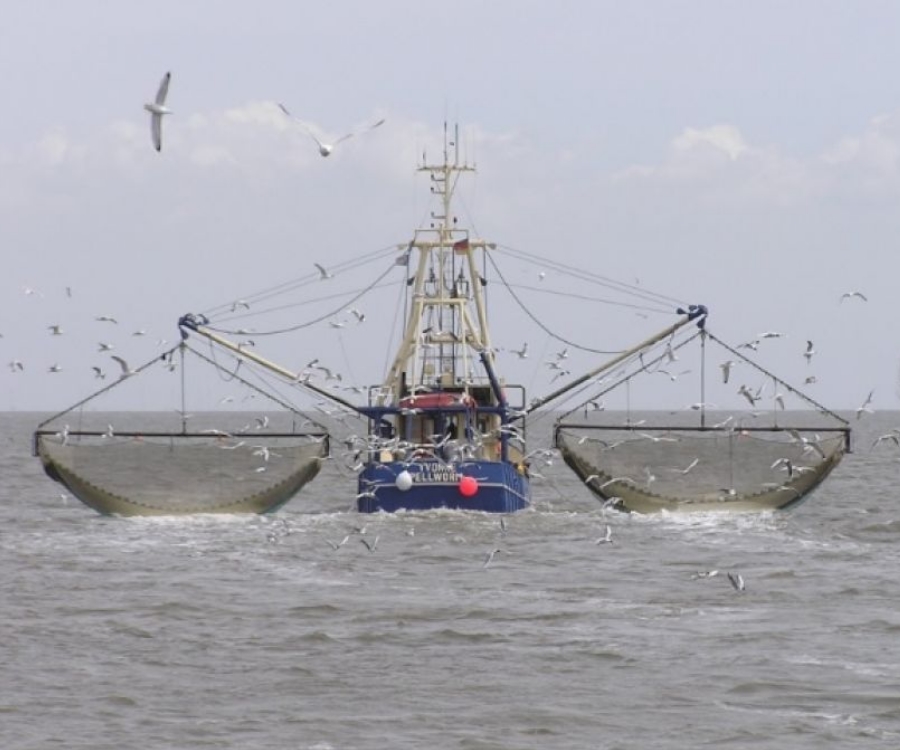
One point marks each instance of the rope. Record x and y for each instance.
(123, 378)
(304, 280)
(605, 281)
(300, 326)
(541, 325)
(792, 389)
(272, 397)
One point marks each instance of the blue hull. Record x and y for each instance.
(493, 487)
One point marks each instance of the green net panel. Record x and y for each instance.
(175, 474)
(231, 441)
(693, 424)
(647, 470)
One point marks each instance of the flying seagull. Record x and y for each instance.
(737, 581)
(864, 407)
(371, 547)
(489, 557)
(126, 370)
(323, 273)
(851, 295)
(157, 109)
(892, 436)
(809, 351)
(325, 149)
(606, 538)
(726, 369)
(687, 469)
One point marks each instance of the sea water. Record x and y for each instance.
(258, 632)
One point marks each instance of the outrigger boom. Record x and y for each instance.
(694, 312)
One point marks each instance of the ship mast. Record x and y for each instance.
(447, 317)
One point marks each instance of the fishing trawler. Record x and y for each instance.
(444, 429)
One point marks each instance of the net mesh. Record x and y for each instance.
(745, 439)
(653, 469)
(176, 474)
(249, 450)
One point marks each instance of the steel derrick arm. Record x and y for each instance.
(195, 323)
(694, 312)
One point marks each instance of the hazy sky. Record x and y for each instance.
(743, 155)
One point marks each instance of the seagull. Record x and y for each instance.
(787, 464)
(892, 436)
(658, 438)
(16, 364)
(591, 406)
(360, 316)
(809, 351)
(771, 335)
(127, 372)
(705, 574)
(606, 538)
(371, 547)
(106, 319)
(688, 468)
(737, 581)
(337, 545)
(673, 376)
(325, 149)
(700, 405)
(726, 369)
(745, 391)
(54, 368)
(489, 557)
(157, 109)
(864, 408)
(261, 450)
(98, 373)
(323, 274)
(852, 295)
(521, 353)
(55, 330)
(614, 480)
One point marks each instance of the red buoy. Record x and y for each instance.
(468, 486)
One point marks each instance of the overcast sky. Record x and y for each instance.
(742, 155)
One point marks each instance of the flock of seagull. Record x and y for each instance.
(158, 109)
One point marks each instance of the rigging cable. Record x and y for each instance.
(541, 325)
(300, 326)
